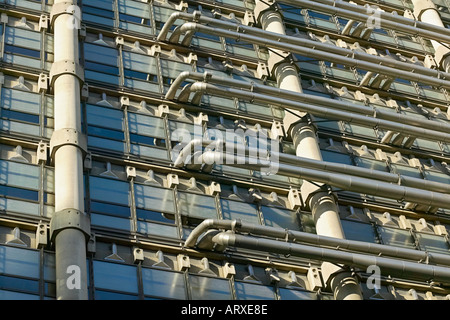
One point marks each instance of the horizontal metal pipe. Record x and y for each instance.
(347, 182)
(303, 97)
(312, 52)
(388, 266)
(324, 112)
(369, 186)
(326, 166)
(317, 240)
(197, 17)
(363, 172)
(387, 20)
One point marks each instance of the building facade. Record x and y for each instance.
(233, 149)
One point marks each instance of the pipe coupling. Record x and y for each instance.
(67, 7)
(67, 136)
(70, 218)
(62, 67)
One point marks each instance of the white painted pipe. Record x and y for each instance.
(70, 243)
(323, 206)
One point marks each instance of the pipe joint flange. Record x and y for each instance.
(70, 218)
(66, 67)
(67, 136)
(278, 58)
(421, 6)
(67, 7)
(442, 52)
(310, 190)
(262, 7)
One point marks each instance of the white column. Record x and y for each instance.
(70, 243)
(323, 206)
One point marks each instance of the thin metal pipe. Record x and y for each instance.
(324, 112)
(317, 240)
(303, 97)
(388, 266)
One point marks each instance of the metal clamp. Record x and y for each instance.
(64, 8)
(70, 218)
(67, 136)
(66, 67)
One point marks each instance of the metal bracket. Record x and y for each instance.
(66, 67)
(70, 218)
(64, 8)
(67, 136)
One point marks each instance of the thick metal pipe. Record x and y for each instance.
(317, 54)
(324, 112)
(317, 240)
(388, 266)
(304, 43)
(70, 243)
(317, 100)
(353, 183)
(323, 205)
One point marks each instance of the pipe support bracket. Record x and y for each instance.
(67, 136)
(63, 8)
(62, 67)
(70, 218)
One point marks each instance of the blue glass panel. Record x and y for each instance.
(106, 295)
(11, 295)
(19, 193)
(12, 283)
(115, 276)
(19, 262)
(109, 190)
(358, 231)
(164, 284)
(156, 199)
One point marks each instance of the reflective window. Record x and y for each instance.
(358, 231)
(101, 63)
(197, 205)
(250, 291)
(396, 237)
(433, 243)
(114, 276)
(163, 284)
(207, 288)
(105, 128)
(239, 210)
(281, 218)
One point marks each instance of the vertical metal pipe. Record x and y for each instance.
(70, 243)
(426, 11)
(323, 206)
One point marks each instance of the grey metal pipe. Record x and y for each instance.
(287, 94)
(197, 17)
(324, 112)
(356, 184)
(312, 52)
(388, 266)
(317, 240)
(364, 173)
(387, 20)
